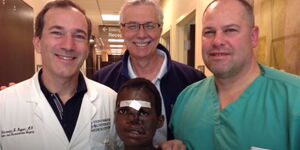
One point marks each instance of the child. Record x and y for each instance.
(138, 114)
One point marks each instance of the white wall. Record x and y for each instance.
(176, 11)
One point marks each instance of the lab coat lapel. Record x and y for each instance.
(47, 118)
(87, 112)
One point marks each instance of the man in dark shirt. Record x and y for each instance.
(141, 26)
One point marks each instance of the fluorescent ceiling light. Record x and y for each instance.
(116, 40)
(110, 17)
(116, 51)
(115, 45)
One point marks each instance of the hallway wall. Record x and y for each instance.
(279, 38)
(174, 12)
(37, 5)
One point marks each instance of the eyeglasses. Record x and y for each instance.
(134, 26)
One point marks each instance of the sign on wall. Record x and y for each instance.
(112, 39)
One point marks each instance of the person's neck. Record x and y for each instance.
(148, 147)
(230, 89)
(64, 87)
(147, 67)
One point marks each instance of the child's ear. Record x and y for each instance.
(160, 121)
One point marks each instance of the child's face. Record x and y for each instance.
(136, 127)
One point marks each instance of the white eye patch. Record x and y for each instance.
(135, 104)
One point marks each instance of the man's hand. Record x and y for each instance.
(2, 87)
(172, 145)
(9, 84)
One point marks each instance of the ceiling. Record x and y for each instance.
(94, 9)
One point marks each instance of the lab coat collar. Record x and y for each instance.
(37, 94)
(44, 112)
(46, 115)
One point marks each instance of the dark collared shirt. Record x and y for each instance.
(68, 113)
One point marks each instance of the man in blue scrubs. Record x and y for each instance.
(245, 105)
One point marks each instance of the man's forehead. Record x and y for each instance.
(224, 12)
(230, 5)
(64, 12)
(62, 17)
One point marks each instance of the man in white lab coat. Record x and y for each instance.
(59, 108)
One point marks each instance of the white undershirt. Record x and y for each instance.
(161, 133)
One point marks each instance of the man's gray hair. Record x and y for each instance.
(128, 3)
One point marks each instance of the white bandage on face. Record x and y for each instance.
(135, 104)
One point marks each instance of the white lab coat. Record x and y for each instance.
(27, 121)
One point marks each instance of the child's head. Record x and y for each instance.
(138, 112)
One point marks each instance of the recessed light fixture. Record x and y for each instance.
(116, 40)
(110, 17)
(116, 46)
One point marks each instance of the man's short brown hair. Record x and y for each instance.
(40, 22)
